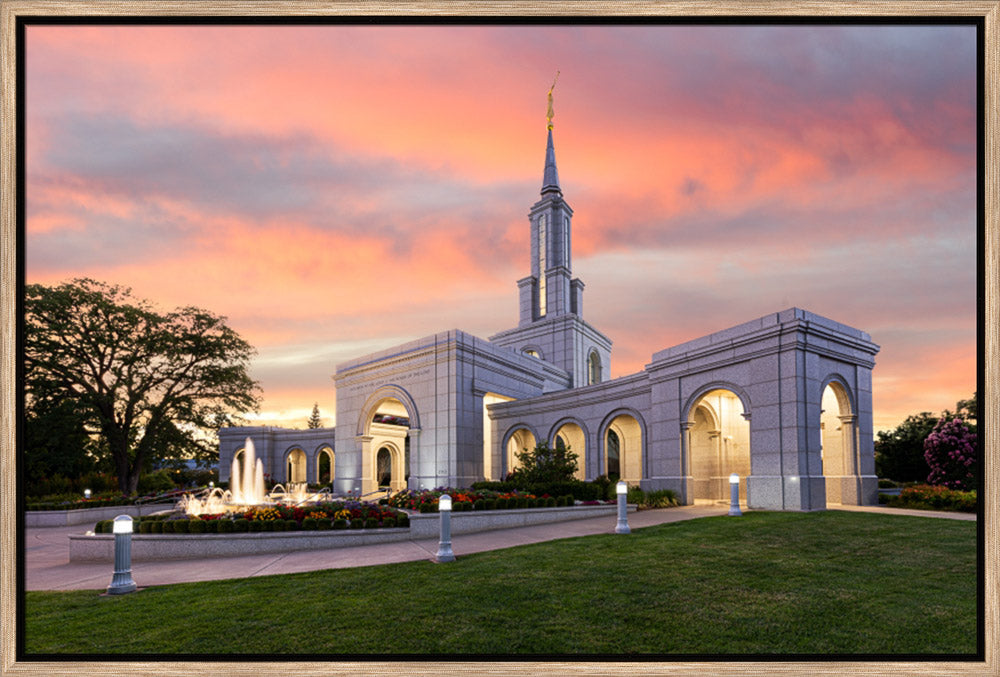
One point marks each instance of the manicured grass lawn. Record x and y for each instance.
(787, 583)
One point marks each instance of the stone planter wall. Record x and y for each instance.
(153, 547)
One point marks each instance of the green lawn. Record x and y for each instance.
(826, 582)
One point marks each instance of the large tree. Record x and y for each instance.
(899, 453)
(150, 383)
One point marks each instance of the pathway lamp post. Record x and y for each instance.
(86, 494)
(622, 526)
(122, 582)
(444, 553)
(734, 495)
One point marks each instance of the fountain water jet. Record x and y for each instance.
(246, 488)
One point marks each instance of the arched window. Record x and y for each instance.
(593, 368)
(531, 352)
(614, 454)
(383, 464)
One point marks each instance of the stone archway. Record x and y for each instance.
(838, 445)
(520, 440)
(718, 444)
(326, 469)
(623, 447)
(295, 466)
(572, 435)
(388, 420)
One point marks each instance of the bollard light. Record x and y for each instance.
(121, 581)
(86, 493)
(211, 484)
(622, 526)
(444, 553)
(734, 495)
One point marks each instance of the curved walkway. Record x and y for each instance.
(47, 565)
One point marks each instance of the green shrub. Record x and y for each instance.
(144, 527)
(310, 524)
(156, 527)
(926, 497)
(501, 503)
(521, 502)
(224, 526)
(661, 498)
(267, 525)
(169, 526)
(324, 524)
(389, 523)
(241, 525)
(155, 482)
(291, 525)
(358, 524)
(636, 495)
(402, 520)
(255, 525)
(371, 523)
(339, 524)
(428, 507)
(581, 491)
(182, 526)
(499, 487)
(196, 526)
(550, 502)
(490, 504)
(479, 504)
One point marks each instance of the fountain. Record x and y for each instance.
(246, 488)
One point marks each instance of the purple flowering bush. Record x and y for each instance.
(950, 451)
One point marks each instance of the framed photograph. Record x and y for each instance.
(533, 338)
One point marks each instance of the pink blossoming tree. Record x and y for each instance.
(950, 451)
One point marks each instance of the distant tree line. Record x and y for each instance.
(903, 454)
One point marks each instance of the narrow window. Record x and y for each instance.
(542, 264)
(594, 370)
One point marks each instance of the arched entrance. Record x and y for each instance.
(388, 420)
(325, 469)
(623, 449)
(520, 440)
(571, 435)
(295, 466)
(837, 439)
(718, 444)
(390, 445)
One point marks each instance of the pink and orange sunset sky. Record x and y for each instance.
(336, 190)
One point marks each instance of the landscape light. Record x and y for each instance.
(121, 581)
(734, 495)
(444, 553)
(622, 527)
(86, 493)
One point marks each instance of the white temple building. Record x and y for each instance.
(784, 401)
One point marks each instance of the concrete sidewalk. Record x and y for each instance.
(47, 565)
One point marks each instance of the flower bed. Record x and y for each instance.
(317, 517)
(462, 500)
(927, 497)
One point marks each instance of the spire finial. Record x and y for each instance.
(551, 114)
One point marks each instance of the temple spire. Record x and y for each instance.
(550, 180)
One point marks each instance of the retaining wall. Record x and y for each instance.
(91, 516)
(153, 547)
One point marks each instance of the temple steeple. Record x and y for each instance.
(551, 324)
(550, 180)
